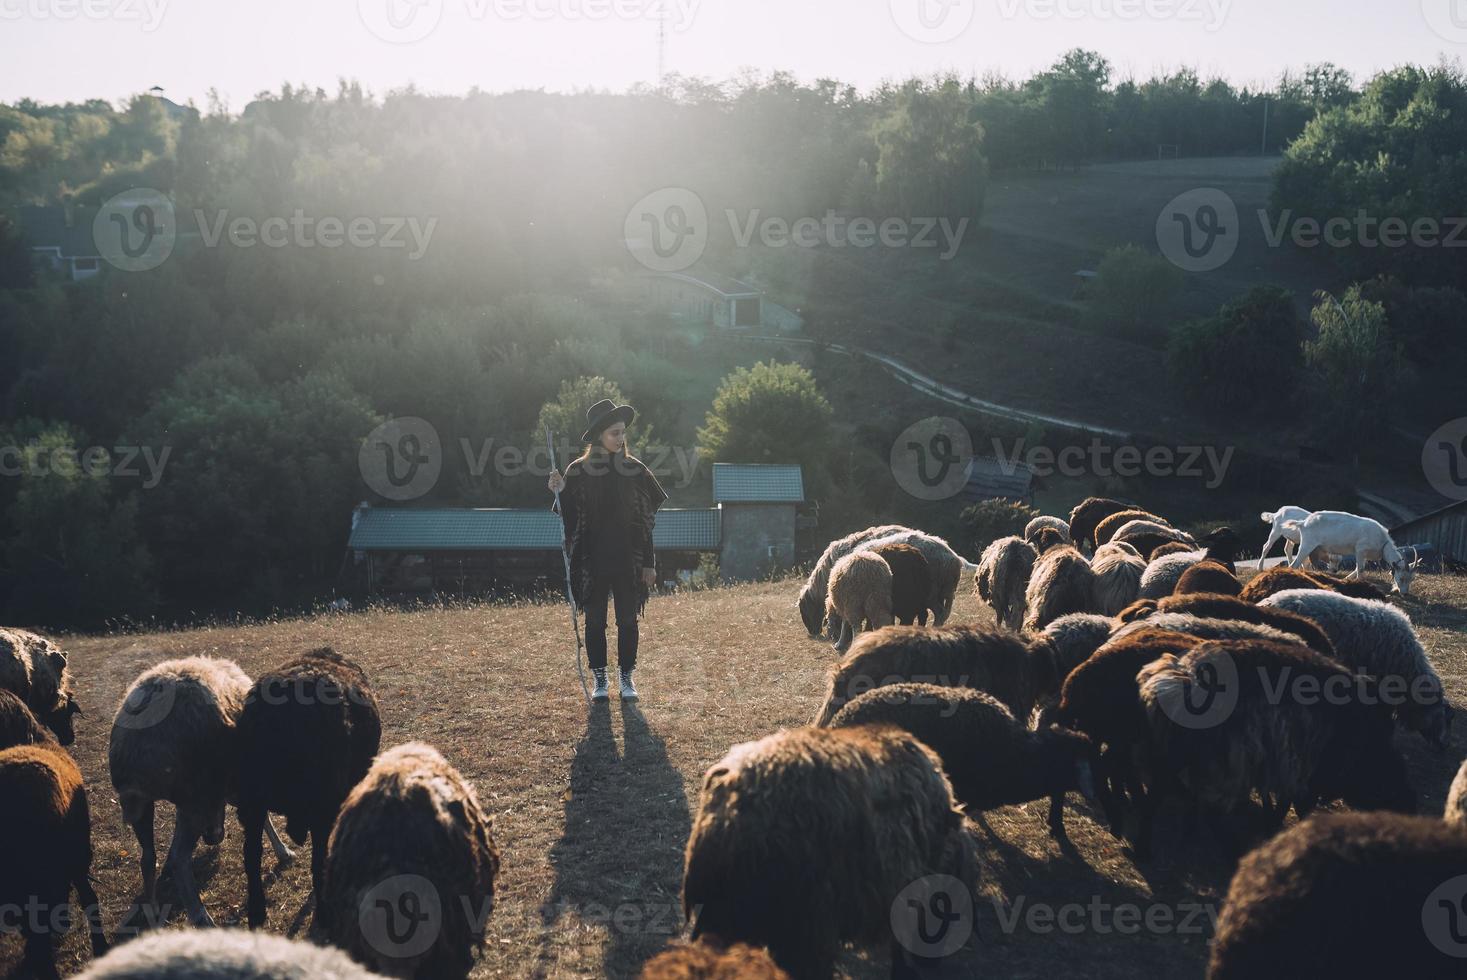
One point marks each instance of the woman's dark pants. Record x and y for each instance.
(623, 590)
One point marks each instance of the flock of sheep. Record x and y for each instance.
(1128, 663)
(198, 733)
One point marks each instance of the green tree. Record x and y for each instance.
(1244, 359)
(1133, 292)
(1356, 367)
(770, 413)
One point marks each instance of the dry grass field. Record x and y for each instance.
(592, 812)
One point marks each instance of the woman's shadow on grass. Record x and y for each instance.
(619, 861)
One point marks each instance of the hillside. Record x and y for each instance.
(592, 815)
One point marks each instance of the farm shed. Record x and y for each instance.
(479, 550)
(1444, 530)
(707, 297)
(990, 478)
(759, 503)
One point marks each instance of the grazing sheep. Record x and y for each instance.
(174, 739)
(706, 960)
(1147, 536)
(1234, 717)
(17, 725)
(1109, 527)
(1018, 670)
(1163, 573)
(45, 843)
(1101, 699)
(1170, 548)
(1117, 575)
(1075, 637)
(1057, 524)
(1003, 575)
(224, 954)
(1087, 514)
(803, 841)
(1184, 612)
(860, 596)
(992, 759)
(1278, 522)
(1377, 638)
(1456, 809)
(911, 582)
(1063, 582)
(34, 670)
(945, 566)
(307, 735)
(1338, 533)
(1283, 578)
(415, 819)
(1347, 895)
(811, 602)
(1208, 576)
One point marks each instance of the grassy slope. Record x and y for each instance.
(592, 816)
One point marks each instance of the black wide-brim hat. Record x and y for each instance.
(605, 414)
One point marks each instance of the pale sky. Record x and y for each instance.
(70, 50)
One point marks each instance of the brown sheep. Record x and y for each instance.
(1347, 895)
(708, 960)
(811, 602)
(1236, 717)
(992, 759)
(1283, 578)
(1057, 524)
(1003, 575)
(1208, 576)
(34, 670)
(1169, 548)
(1204, 605)
(1046, 538)
(411, 827)
(1063, 582)
(1087, 514)
(45, 843)
(805, 840)
(1108, 527)
(17, 725)
(1016, 669)
(860, 596)
(911, 581)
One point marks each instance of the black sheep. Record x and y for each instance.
(911, 582)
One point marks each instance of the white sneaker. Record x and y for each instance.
(600, 693)
(628, 689)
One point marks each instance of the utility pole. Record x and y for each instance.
(1265, 126)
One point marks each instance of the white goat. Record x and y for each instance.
(1339, 533)
(1278, 519)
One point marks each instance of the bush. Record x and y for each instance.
(1133, 292)
(990, 520)
(1245, 359)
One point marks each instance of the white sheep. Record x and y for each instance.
(226, 954)
(1339, 533)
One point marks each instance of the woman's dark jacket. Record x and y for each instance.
(609, 505)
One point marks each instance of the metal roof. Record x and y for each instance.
(509, 529)
(990, 478)
(763, 483)
(726, 286)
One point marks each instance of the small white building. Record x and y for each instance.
(716, 300)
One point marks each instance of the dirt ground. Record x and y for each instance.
(592, 812)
